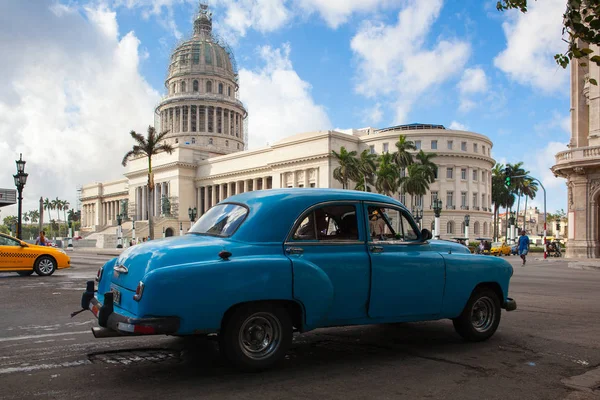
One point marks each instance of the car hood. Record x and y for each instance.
(444, 246)
(141, 259)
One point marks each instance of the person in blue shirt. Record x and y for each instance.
(523, 246)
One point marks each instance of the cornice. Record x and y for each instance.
(179, 164)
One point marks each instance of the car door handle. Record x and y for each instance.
(376, 249)
(294, 250)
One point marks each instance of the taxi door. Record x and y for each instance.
(11, 254)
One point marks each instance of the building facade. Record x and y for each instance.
(205, 121)
(580, 164)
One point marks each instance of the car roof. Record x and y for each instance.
(273, 211)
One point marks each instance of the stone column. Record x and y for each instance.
(213, 196)
(206, 119)
(264, 182)
(180, 119)
(255, 183)
(241, 127)
(197, 118)
(189, 121)
(246, 188)
(222, 120)
(143, 218)
(206, 199)
(215, 119)
(305, 182)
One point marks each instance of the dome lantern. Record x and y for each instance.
(203, 22)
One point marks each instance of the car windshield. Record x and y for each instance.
(221, 220)
(497, 244)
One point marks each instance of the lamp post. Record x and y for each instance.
(70, 234)
(511, 221)
(192, 213)
(133, 231)
(417, 212)
(119, 232)
(180, 228)
(437, 210)
(467, 220)
(20, 181)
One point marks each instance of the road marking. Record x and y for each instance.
(26, 337)
(42, 366)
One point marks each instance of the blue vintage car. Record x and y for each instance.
(260, 264)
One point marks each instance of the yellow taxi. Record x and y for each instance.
(500, 249)
(24, 258)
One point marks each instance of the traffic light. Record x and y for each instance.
(507, 176)
(507, 180)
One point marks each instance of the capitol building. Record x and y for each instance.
(210, 161)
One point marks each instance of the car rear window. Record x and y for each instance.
(221, 220)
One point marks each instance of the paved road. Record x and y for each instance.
(553, 335)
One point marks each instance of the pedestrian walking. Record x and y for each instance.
(523, 246)
(41, 240)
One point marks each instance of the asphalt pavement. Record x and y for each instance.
(548, 348)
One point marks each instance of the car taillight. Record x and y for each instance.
(99, 275)
(139, 291)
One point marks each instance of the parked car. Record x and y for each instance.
(500, 249)
(25, 259)
(259, 264)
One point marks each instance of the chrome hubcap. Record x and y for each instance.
(46, 266)
(483, 314)
(260, 335)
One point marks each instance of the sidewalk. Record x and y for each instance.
(95, 250)
(592, 264)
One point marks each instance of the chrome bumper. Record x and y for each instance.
(115, 324)
(509, 304)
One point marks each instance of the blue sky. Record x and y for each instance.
(304, 65)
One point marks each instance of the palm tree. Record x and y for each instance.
(148, 146)
(499, 193)
(387, 175)
(34, 215)
(48, 207)
(65, 206)
(367, 166)
(402, 157)
(348, 168)
(57, 205)
(416, 183)
(26, 216)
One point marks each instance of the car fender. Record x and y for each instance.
(464, 272)
(312, 288)
(200, 293)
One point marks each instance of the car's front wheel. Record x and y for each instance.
(480, 317)
(256, 336)
(45, 266)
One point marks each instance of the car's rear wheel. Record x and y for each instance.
(256, 336)
(45, 266)
(480, 317)
(25, 273)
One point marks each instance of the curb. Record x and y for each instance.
(584, 265)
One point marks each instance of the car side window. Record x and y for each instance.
(4, 241)
(332, 222)
(387, 223)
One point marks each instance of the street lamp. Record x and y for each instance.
(467, 220)
(192, 212)
(70, 234)
(511, 233)
(119, 232)
(417, 212)
(20, 181)
(437, 210)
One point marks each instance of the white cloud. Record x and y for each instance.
(556, 195)
(279, 102)
(458, 126)
(261, 15)
(372, 116)
(473, 82)
(532, 40)
(557, 123)
(337, 12)
(395, 62)
(71, 92)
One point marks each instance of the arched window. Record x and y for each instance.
(227, 143)
(209, 87)
(476, 228)
(182, 86)
(450, 227)
(485, 229)
(195, 86)
(220, 88)
(210, 141)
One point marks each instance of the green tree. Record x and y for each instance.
(34, 215)
(581, 24)
(48, 206)
(499, 194)
(429, 168)
(530, 188)
(367, 167)
(148, 146)
(402, 157)
(348, 166)
(65, 206)
(416, 181)
(26, 216)
(387, 175)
